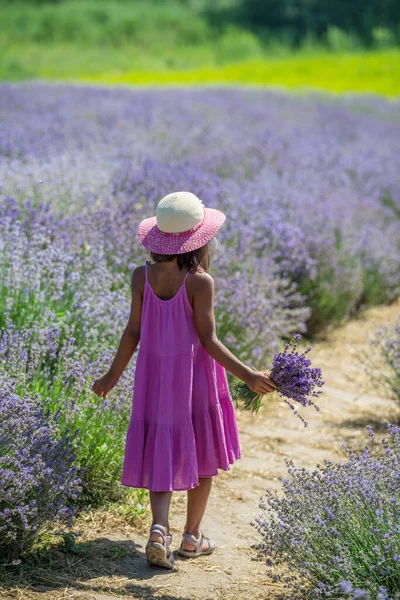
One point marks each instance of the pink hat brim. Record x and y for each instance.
(156, 241)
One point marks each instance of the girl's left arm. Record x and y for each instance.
(129, 340)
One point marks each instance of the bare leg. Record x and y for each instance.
(196, 505)
(160, 502)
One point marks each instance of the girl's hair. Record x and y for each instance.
(196, 258)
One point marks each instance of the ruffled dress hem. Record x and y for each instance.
(140, 485)
(206, 446)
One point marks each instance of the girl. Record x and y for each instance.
(183, 426)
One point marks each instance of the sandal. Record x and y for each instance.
(160, 554)
(188, 538)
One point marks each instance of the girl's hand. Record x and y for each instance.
(103, 385)
(260, 383)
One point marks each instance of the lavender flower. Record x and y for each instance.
(345, 587)
(296, 380)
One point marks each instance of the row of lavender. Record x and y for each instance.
(312, 195)
(334, 531)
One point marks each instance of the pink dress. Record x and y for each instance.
(183, 424)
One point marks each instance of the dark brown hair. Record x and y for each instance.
(190, 260)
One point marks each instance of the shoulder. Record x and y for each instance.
(201, 281)
(138, 277)
(138, 272)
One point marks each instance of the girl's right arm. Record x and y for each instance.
(203, 309)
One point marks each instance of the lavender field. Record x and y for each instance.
(311, 188)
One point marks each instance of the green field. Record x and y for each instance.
(377, 72)
(146, 43)
(368, 72)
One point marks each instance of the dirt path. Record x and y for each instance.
(117, 565)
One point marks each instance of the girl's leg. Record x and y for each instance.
(160, 502)
(196, 505)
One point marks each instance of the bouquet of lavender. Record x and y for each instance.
(296, 381)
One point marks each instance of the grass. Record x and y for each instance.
(66, 560)
(364, 72)
(374, 72)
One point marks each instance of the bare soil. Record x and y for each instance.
(114, 564)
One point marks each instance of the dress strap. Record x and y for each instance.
(145, 270)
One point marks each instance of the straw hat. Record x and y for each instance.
(182, 223)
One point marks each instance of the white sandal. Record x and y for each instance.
(160, 554)
(188, 538)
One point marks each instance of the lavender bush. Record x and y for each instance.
(38, 480)
(348, 592)
(60, 373)
(387, 340)
(294, 377)
(62, 313)
(337, 523)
